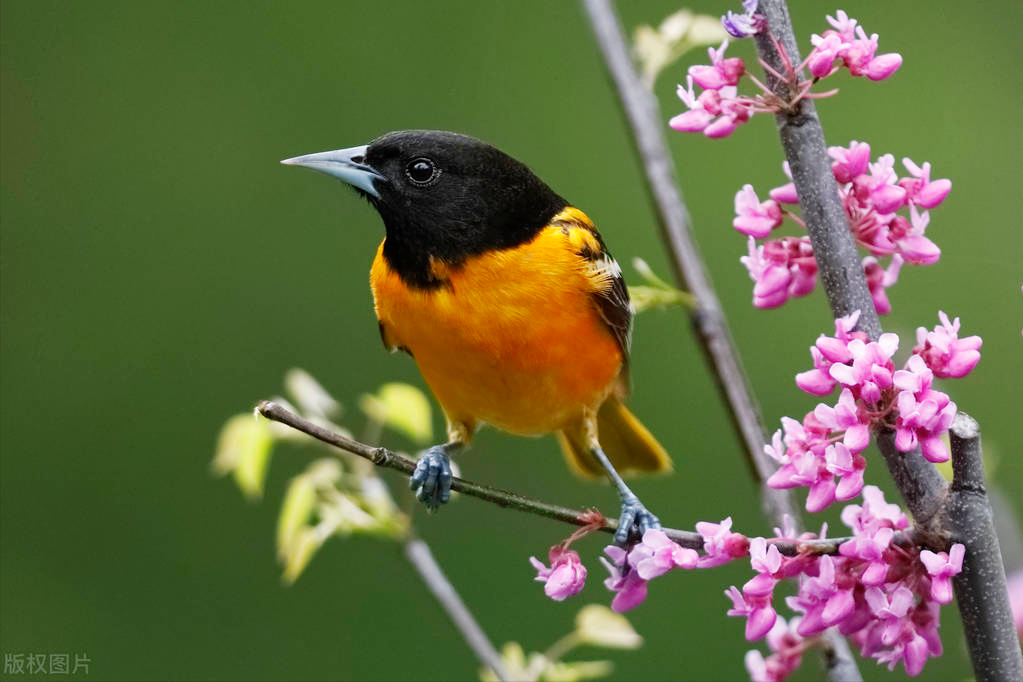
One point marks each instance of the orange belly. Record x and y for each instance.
(515, 341)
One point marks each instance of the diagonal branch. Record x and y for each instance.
(708, 319)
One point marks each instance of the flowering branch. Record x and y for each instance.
(383, 457)
(963, 514)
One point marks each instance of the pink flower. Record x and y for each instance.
(753, 217)
(890, 609)
(744, 25)
(715, 112)
(630, 589)
(942, 567)
(787, 653)
(720, 544)
(760, 615)
(869, 545)
(923, 413)
(850, 163)
(566, 576)
(878, 280)
(657, 554)
(780, 269)
(920, 189)
(721, 72)
(944, 352)
(908, 237)
(846, 416)
(822, 600)
(870, 372)
(826, 49)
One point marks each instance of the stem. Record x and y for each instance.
(555, 652)
(980, 588)
(707, 318)
(419, 554)
(391, 460)
(964, 512)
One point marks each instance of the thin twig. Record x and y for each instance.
(383, 457)
(419, 554)
(707, 317)
(708, 320)
(962, 513)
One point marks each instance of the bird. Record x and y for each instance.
(509, 302)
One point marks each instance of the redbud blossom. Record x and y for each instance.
(744, 25)
(944, 352)
(942, 567)
(721, 72)
(656, 555)
(630, 589)
(753, 217)
(566, 576)
(720, 544)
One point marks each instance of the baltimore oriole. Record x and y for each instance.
(507, 299)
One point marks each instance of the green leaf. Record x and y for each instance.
(598, 625)
(576, 671)
(296, 512)
(243, 449)
(300, 552)
(678, 33)
(311, 397)
(403, 408)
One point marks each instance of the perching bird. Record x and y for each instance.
(507, 299)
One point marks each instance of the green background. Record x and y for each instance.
(160, 272)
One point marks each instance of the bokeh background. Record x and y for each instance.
(160, 272)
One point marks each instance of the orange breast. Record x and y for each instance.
(515, 341)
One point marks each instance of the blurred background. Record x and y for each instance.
(161, 272)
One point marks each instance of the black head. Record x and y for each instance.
(443, 196)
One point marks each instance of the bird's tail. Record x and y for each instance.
(626, 442)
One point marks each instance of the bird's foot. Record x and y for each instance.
(431, 480)
(635, 519)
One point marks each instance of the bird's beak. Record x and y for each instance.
(345, 164)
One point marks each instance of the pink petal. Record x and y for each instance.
(933, 193)
(722, 127)
(884, 65)
(691, 121)
(919, 250)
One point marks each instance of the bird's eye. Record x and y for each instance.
(422, 172)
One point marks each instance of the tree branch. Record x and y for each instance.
(980, 588)
(387, 459)
(994, 648)
(420, 556)
(708, 320)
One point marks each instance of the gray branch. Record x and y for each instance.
(980, 589)
(963, 514)
(419, 554)
(708, 320)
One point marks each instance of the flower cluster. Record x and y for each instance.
(824, 451)
(720, 109)
(885, 597)
(872, 195)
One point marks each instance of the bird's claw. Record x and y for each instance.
(635, 519)
(431, 480)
